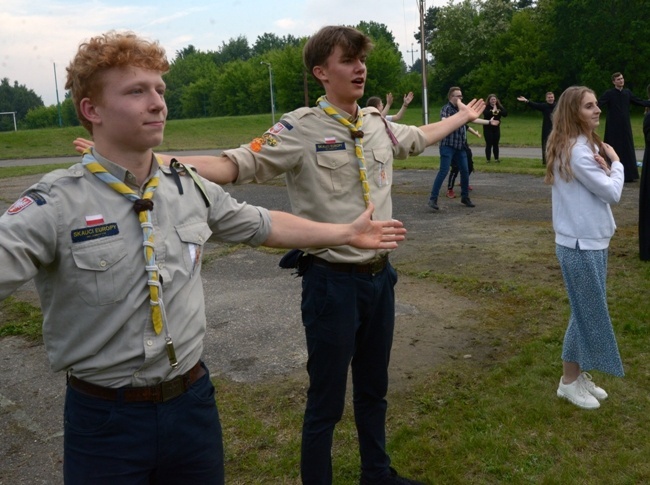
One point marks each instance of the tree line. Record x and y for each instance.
(505, 47)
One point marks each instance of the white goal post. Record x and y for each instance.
(13, 113)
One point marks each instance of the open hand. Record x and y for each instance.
(81, 144)
(369, 234)
(473, 109)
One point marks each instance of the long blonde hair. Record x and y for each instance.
(567, 126)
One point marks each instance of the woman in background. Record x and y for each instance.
(494, 110)
(586, 177)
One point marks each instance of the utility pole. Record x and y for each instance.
(412, 51)
(425, 95)
(58, 105)
(271, 85)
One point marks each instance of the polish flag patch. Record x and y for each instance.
(330, 139)
(22, 203)
(94, 220)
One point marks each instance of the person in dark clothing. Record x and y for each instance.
(494, 110)
(644, 191)
(618, 129)
(547, 122)
(455, 169)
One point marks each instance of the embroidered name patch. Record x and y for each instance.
(94, 232)
(330, 147)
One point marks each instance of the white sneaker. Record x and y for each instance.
(577, 394)
(587, 382)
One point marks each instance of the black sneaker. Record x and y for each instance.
(467, 202)
(392, 479)
(433, 203)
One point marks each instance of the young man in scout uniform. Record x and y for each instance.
(337, 158)
(114, 245)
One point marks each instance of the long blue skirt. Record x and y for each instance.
(589, 340)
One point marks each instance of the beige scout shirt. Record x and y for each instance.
(82, 243)
(316, 153)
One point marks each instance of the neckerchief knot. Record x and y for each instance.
(142, 205)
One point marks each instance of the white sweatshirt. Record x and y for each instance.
(581, 211)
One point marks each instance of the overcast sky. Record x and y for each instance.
(37, 35)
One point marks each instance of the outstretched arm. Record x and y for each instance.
(466, 112)
(407, 100)
(473, 131)
(218, 169)
(389, 102)
(289, 231)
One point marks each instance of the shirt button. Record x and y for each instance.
(149, 343)
(102, 263)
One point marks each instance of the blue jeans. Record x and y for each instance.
(448, 153)
(349, 319)
(144, 443)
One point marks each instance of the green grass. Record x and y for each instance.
(21, 319)
(518, 129)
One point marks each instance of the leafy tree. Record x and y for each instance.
(465, 33)
(234, 50)
(195, 99)
(185, 70)
(268, 42)
(238, 89)
(385, 69)
(185, 52)
(291, 81)
(41, 117)
(516, 63)
(603, 36)
(16, 98)
(68, 112)
(377, 32)
(431, 26)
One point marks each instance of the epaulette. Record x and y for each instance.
(52, 178)
(176, 169)
(302, 112)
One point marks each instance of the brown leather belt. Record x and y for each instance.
(160, 393)
(373, 267)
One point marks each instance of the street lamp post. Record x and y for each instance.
(268, 64)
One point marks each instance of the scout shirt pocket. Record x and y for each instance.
(380, 170)
(104, 273)
(333, 167)
(193, 236)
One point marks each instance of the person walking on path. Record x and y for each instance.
(586, 177)
(618, 128)
(546, 109)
